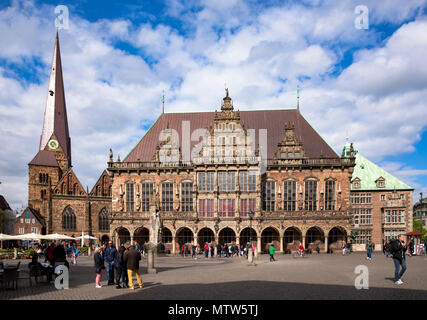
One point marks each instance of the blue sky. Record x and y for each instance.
(118, 57)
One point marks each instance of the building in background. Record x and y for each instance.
(54, 191)
(29, 221)
(381, 204)
(420, 211)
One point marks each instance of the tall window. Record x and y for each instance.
(361, 198)
(68, 219)
(103, 223)
(362, 216)
(130, 197)
(289, 195)
(243, 180)
(247, 205)
(206, 207)
(394, 216)
(167, 196)
(187, 196)
(146, 192)
(227, 181)
(330, 195)
(269, 196)
(310, 195)
(205, 181)
(226, 207)
(247, 181)
(363, 236)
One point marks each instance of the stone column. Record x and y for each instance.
(326, 244)
(258, 246)
(238, 241)
(281, 244)
(303, 242)
(173, 245)
(215, 246)
(131, 238)
(195, 240)
(116, 236)
(150, 259)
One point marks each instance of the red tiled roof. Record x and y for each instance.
(45, 158)
(272, 120)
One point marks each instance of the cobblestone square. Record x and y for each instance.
(321, 276)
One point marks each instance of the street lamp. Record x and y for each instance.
(251, 216)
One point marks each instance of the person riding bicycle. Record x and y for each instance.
(301, 249)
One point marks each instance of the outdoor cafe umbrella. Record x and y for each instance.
(28, 236)
(56, 236)
(6, 237)
(84, 237)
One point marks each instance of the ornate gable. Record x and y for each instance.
(102, 187)
(290, 148)
(70, 185)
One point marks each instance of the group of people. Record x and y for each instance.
(120, 265)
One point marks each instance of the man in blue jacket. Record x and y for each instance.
(109, 255)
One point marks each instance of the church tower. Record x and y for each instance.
(53, 158)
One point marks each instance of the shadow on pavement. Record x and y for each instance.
(267, 290)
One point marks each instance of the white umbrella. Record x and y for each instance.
(87, 237)
(57, 236)
(29, 236)
(7, 237)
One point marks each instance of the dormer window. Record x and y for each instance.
(381, 182)
(356, 183)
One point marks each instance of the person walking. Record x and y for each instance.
(118, 265)
(206, 248)
(59, 255)
(272, 252)
(110, 253)
(99, 265)
(411, 247)
(369, 248)
(193, 252)
(132, 258)
(398, 249)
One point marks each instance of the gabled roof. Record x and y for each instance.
(99, 183)
(368, 173)
(64, 178)
(35, 213)
(272, 120)
(44, 158)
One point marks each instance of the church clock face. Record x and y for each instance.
(53, 144)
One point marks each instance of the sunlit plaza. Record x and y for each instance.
(318, 276)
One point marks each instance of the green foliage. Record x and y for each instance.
(3, 220)
(417, 226)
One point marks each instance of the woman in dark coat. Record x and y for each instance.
(99, 265)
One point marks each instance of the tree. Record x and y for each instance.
(417, 227)
(3, 220)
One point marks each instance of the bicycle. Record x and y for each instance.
(299, 253)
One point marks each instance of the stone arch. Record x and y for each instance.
(184, 235)
(141, 235)
(292, 238)
(337, 237)
(69, 219)
(270, 235)
(315, 237)
(226, 236)
(204, 235)
(246, 233)
(123, 235)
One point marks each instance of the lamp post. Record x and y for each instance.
(250, 253)
(251, 216)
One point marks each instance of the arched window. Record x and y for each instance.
(69, 219)
(104, 224)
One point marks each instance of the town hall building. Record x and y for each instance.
(226, 176)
